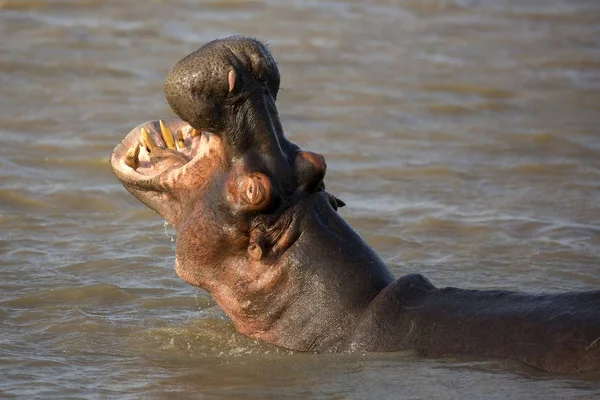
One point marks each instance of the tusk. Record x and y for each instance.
(147, 140)
(131, 157)
(166, 135)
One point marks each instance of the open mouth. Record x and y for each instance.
(155, 146)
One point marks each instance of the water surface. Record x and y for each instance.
(463, 135)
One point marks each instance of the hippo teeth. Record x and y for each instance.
(147, 140)
(191, 143)
(166, 135)
(132, 157)
(180, 141)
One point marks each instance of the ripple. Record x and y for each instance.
(80, 295)
(469, 89)
(12, 201)
(66, 69)
(210, 335)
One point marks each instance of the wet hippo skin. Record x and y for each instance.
(257, 229)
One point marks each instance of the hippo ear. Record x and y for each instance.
(310, 170)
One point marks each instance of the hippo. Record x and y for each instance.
(257, 229)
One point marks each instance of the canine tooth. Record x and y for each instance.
(180, 141)
(166, 134)
(131, 157)
(147, 140)
(194, 132)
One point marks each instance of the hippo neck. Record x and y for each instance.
(333, 275)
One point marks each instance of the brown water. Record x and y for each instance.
(464, 136)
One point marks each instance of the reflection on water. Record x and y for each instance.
(462, 134)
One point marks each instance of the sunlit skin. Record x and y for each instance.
(257, 230)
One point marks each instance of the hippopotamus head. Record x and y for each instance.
(248, 206)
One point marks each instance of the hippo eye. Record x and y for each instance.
(256, 191)
(253, 193)
(249, 192)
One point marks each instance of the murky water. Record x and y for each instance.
(464, 136)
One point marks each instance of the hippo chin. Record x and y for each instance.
(257, 229)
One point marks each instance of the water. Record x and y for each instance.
(463, 135)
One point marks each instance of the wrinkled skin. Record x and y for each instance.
(257, 230)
